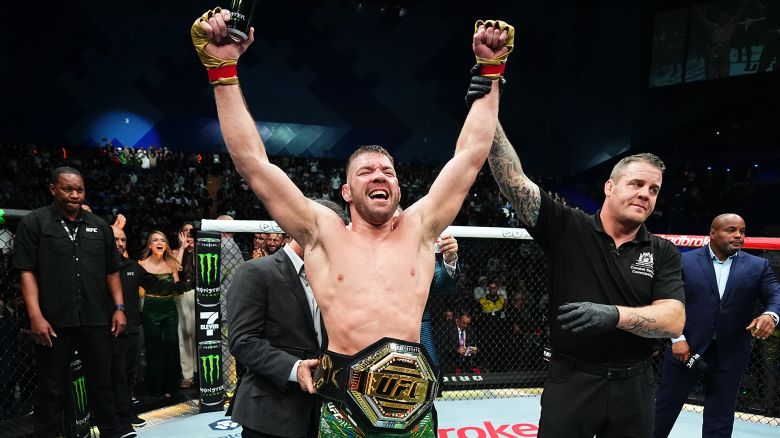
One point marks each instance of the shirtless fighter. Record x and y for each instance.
(371, 281)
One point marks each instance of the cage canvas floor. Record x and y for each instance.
(499, 417)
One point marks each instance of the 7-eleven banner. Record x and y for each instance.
(207, 287)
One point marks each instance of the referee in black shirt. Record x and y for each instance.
(614, 287)
(68, 260)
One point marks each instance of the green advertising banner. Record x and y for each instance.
(208, 320)
(207, 277)
(212, 391)
(80, 419)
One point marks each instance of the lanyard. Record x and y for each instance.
(73, 235)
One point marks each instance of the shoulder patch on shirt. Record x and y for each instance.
(643, 265)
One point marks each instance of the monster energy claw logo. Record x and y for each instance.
(80, 392)
(211, 366)
(208, 267)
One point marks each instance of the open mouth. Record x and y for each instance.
(379, 194)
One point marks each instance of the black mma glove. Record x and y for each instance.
(480, 86)
(586, 317)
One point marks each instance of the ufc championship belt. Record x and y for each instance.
(388, 387)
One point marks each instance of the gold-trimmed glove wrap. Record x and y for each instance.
(220, 71)
(493, 68)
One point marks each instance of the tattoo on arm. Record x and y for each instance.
(645, 327)
(513, 182)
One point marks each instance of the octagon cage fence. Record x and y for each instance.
(501, 291)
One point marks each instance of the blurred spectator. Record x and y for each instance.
(274, 242)
(480, 290)
(185, 305)
(259, 247)
(459, 347)
(491, 321)
(493, 303)
(124, 348)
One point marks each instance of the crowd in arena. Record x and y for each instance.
(504, 310)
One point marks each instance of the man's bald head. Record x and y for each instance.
(725, 218)
(727, 235)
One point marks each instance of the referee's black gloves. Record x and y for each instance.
(585, 317)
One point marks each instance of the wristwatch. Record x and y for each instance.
(120, 307)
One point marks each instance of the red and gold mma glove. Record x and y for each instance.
(220, 71)
(488, 70)
(494, 68)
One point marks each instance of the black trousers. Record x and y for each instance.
(94, 347)
(721, 388)
(124, 366)
(579, 404)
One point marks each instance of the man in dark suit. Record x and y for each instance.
(276, 332)
(460, 346)
(445, 277)
(721, 287)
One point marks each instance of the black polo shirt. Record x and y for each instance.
(130, 272)
(586, 266)
(71, 274)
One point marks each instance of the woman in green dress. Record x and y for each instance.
(160, 285)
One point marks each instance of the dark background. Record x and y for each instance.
(73, 71)
(324, 76)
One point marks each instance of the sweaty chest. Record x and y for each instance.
(381, 269)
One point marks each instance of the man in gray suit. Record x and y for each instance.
(276, 332)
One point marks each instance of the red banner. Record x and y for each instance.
(770, 243)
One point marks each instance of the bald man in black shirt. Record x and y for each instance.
(70, 282)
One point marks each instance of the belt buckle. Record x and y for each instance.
(392, 385)
(617, 373)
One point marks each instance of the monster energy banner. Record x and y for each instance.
(80, 422)
(207, 269)
(210, 371)
(207, 317)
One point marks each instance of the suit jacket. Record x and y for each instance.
(270, 326)
(442, 284)
(451, 344)
(707, 314)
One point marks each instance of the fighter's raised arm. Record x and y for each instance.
(296, 214)
(513, 182)
(492, 42)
